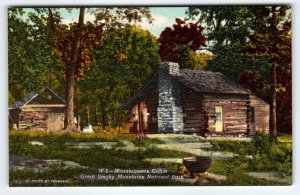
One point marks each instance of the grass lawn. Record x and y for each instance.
(265, 156)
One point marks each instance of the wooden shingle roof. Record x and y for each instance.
(197, 80)
(30, 97)
(209, 82)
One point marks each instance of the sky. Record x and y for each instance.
(163, 17)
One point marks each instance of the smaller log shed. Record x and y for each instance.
(196, 101)
(42, 110)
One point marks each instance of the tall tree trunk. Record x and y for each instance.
(274, 31)
(273, 123)
(129, 90)
(104, 118)
(96, 116)
(78, 123)
(88, 114)
(70, 126)
(50, 77)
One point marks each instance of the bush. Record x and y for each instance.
(61, 137)
(267, 154)
(237, 147)
(272, 155)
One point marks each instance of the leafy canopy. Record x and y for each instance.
(127, 58)
(177, 42)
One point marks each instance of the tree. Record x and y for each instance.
(272, 40)
(178, 43)
(228, 28)
(225, 24)
(73, 47)
(265, 30)
(71, 63)
(231, 62)
(29, 67)
(77, 55)
(201, 59)
(126, 58)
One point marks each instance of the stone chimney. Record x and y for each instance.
(169, 111)
(169, 67)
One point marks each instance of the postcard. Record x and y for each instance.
(150, 96)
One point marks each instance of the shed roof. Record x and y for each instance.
(33, 95)
(197, 80)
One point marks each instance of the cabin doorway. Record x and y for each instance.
(144, 122)
(55, 122)
(219, 119)
(252, 119)
(139, 118)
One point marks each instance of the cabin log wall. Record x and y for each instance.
(39, 111)
(152, 100)
(261, 115)
(235, 112)
(194, 117)
(14, 117)
(34, 118)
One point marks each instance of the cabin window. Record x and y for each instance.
(218, 117)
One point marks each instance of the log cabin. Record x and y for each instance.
(42, 110)
(196, 102)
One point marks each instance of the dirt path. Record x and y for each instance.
(193, 144)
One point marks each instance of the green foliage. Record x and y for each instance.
(190, 59)
(56, 148)
(247, 41)
(280, 154)
(29, 56)
(94, 158)
(118, 16)
(257, 154)
(201, 60)
(147, 142)
(237, 147)
(285, 138)
(235, 169)
(40, 50)
(262, 150)
(61, 137)
(225, 24)
(125, 60)
(62, 47)
(252, 72)
(230, 61)
(272, 40)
